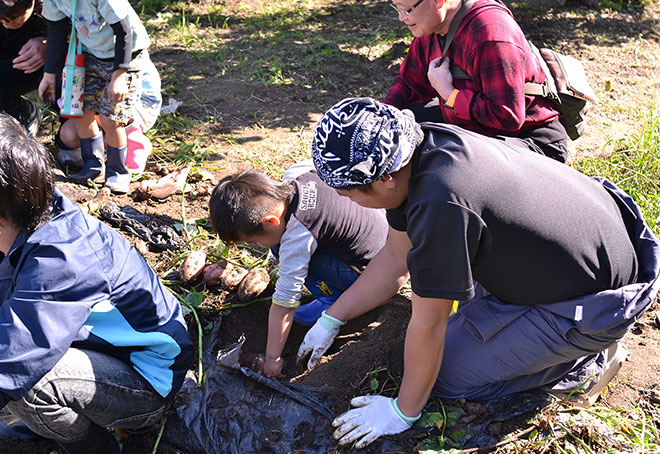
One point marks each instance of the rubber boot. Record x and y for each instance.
(117, 176)
(308, 314)
(138, 148)
(67, 157)
(92, 154)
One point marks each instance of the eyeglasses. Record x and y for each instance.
(408, 11)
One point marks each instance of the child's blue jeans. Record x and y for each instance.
(327, 277)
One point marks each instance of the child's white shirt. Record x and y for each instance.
(93, 19)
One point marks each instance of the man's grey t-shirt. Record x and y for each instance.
(530, 230)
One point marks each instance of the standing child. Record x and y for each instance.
(114, 43)
(319, 237)
(138, 146)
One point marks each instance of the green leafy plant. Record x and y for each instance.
(635, 168)
(380, 381)
(618, 5)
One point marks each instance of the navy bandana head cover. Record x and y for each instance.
(360, 140)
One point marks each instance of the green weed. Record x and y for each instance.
(635, 168)
(150, 7)
(618, 5)
(380, 381)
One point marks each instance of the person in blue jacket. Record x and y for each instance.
(89, 337)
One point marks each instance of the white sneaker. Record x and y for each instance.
(118, 184)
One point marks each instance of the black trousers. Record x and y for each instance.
(549, 139)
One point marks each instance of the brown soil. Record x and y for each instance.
(270, 127)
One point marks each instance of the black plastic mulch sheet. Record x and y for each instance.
(127, 218)
(236, 410)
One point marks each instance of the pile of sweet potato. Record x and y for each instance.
(248, 283)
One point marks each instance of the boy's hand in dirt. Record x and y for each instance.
(273, 367)
(46, 88)
(31, 56)
(118, 86)
(268, 366)
(319, 338)
(374, 417)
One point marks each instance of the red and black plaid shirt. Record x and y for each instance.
(491, 48)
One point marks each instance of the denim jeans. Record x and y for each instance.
(327, 277)
(85, 392)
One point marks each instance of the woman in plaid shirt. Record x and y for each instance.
(491, 49)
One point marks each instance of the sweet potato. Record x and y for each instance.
(253, 284)
(232, 276)
(173, 183)
(212, 274)
(100, 200)
(192, 266)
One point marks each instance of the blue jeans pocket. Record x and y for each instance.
(139, 420)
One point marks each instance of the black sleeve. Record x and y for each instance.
(445, 239)
(57, 45)
(123, 43)
(396, 218)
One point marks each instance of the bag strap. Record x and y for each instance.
(456, 22)
(71, 53)
(71, 57)
(547, 89)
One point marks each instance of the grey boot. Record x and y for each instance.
(92, 152)
(117, 176)
(68, 157)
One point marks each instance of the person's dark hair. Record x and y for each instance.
(241, 200)
(11, 9)
(27, 187)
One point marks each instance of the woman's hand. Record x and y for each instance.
(31, 56)
(440, 77)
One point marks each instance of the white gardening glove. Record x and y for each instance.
(375, 416)
(319, 338)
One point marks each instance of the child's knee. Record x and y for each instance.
(108, 124)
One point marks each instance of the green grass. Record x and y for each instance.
(635, 168)
(618, 5)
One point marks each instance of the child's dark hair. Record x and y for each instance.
(241, 200)
(27, 187)
(11, 9)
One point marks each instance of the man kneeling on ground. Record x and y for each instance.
(548, 281)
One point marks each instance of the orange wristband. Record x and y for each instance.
(449, 103)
